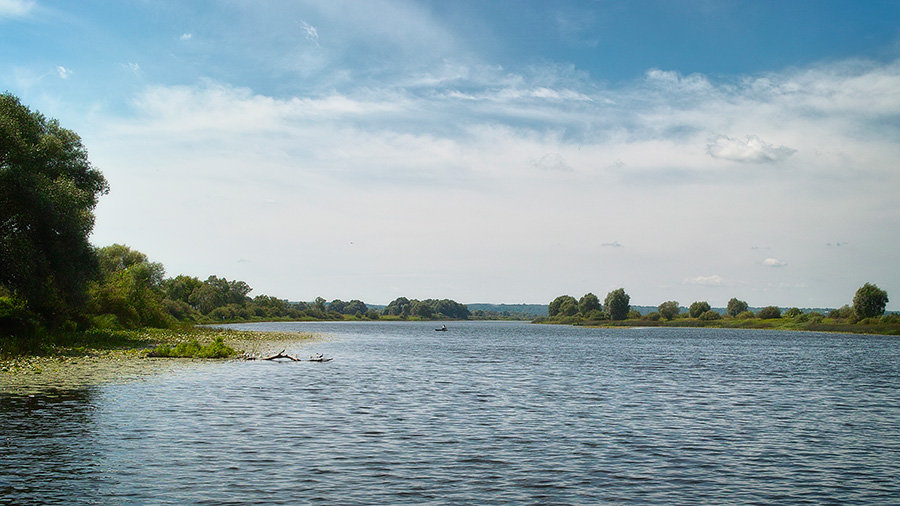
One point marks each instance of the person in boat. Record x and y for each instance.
(443, 327)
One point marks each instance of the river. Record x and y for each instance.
(486, 413)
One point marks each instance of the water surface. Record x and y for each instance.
(487, 413)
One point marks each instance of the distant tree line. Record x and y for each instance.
(869, 303)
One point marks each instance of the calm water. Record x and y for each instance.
(486, 413)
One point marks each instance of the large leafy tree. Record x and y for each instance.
(735, 307)
(588, 302)
(130, 289)
(617, 304)
(48, 191)
(698, 308)
(556, 305)
(669, 309)
(869, 301)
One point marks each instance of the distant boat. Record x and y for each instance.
(321, 359)
(442, 329)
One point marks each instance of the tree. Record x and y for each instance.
(617, 304)
(588, 302)
(48, 191)
(555, 305)
(735, 307)
(397, 307)
(568, 307)
(668, 309)
(698, 308)
(769, 313)
(869, 301)
(793, 312)
(130, 289)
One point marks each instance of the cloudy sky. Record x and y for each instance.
(506, 151)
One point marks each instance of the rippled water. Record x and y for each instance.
(485, 413)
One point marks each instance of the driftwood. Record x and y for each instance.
(281, 354)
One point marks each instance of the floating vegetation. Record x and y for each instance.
(193, 349)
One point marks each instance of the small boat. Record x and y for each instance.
(442, 329)
(321, 359)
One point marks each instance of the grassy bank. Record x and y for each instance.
(870, 326)
(77, 359)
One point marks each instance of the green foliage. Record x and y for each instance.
(426, 309)
(745, 315)
(556, 304)
(634, 314)
(698, 308)
(654, 316)
(735, 307)
(596, 315)
(588, 302)
(769, 312)
(710, 315)
(48, 191)
(869, 301)
(842, 313)
(193, 349)
(130, 289)
(617, 304)
(793, 312)
(669, 309)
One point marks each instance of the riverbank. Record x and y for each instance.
(874, 327)
(76, 360)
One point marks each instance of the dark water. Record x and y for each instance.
(486, 413)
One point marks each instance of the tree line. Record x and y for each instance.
(869, 302)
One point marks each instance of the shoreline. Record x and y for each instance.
(70, 367)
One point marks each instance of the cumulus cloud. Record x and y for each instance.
(16, 8)
(773, 262)
(63, 72)
(186, 36)
(751, 149)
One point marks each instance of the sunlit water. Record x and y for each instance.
(485, 413)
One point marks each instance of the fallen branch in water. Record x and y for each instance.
(281, 354)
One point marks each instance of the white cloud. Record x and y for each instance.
(773, 262)
(16, 8)
(614, 244)
(132, 67)
(63, 72)
(186, 36)
(713, 280)
(312, 34)
(750, 149)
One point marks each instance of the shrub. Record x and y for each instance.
(654, 316)
(745, 315)
(710, 315)
(793, 312)
(890, 318)
(634, 314)
(844, 312)
(769, 312)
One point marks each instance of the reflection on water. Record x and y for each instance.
(48, 446)
(484, 413)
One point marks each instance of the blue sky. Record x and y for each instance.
(485, 151)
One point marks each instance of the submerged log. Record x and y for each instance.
(281, 354)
